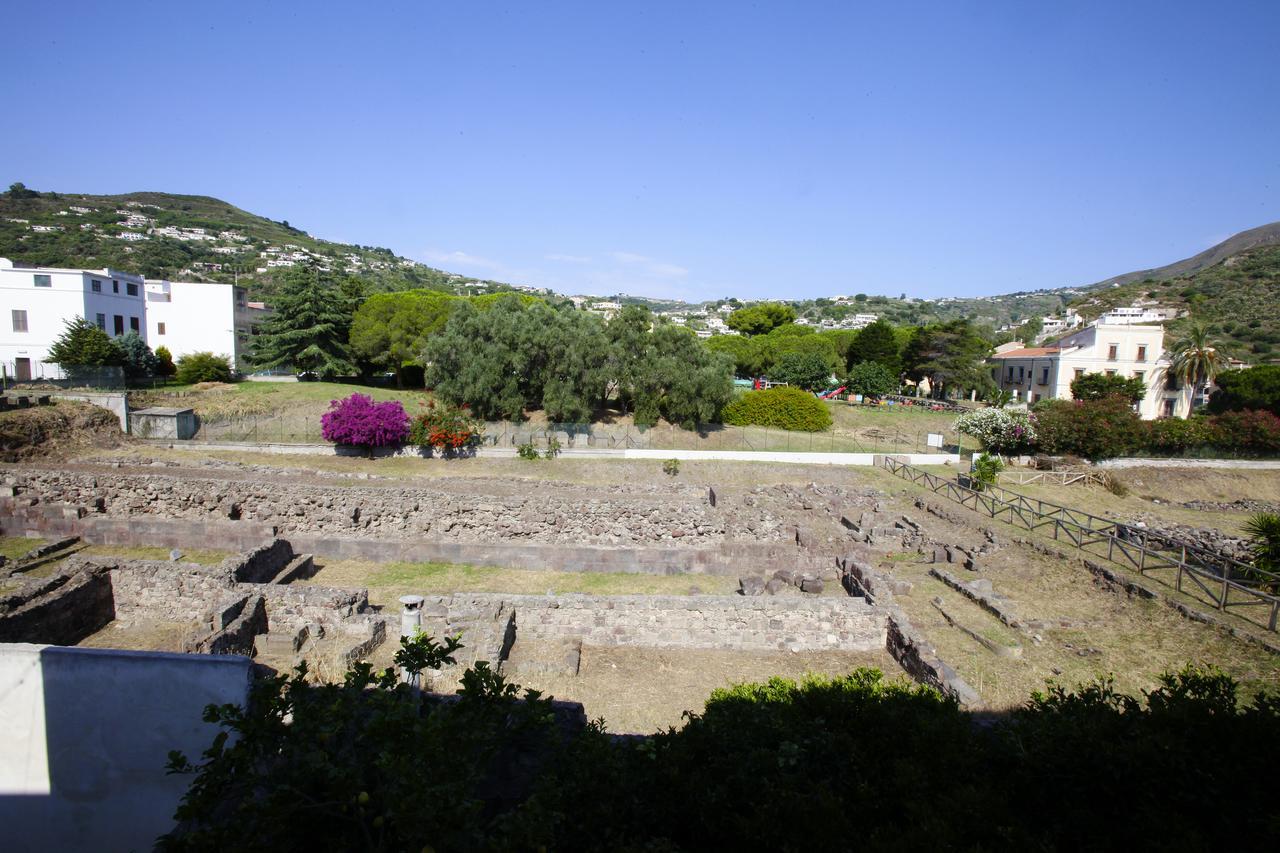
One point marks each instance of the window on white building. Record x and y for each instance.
(19, 321)
(1142, 352)
(102, 322)
(1140, 376)
(95, 285)
(1044, 376)
(119, 324)
(43, 280)
(132, 289)
(115, 287)
(1113, 352)
(1168, 408)
(134, 325)
(159, 328)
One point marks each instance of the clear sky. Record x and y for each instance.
(682, 149)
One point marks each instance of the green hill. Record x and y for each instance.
(193, 237)
(1235, 294)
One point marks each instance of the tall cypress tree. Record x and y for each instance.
(309, 328)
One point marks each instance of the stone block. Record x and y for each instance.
(751, 585)
(775, 586)
(811, 585)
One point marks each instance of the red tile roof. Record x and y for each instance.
(1028, 352)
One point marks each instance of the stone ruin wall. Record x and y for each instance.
(678, 515)
(491, 622)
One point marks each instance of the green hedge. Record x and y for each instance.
(784, 408)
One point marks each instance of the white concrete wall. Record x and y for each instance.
(198, 317)
(84, 737)
(49, 308)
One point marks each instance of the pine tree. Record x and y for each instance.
(308, 331)
(82, 344)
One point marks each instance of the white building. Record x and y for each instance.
(37, 302)
(1123, 349)
(1053, 326)
(194, 316)
(1130, 314)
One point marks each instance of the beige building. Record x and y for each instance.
(1123, 349)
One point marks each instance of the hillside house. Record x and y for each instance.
(37, 302)
(1123, 349)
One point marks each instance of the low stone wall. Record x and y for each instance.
(688, 622)
(62, 610)
(260, 564)
(677, 515)
(170, 592)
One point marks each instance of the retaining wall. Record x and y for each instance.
(687, 622)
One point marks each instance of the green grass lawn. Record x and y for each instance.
(387, 581)
(14, 547)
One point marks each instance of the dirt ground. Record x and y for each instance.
(641, 690)
(1106, 632)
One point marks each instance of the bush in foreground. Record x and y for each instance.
(358, 421)
(203, 367)
(852, 762)
(450, 429)
(783, 408)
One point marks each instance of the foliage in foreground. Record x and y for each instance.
(782, 407)
(1000, 430)
(856, 761)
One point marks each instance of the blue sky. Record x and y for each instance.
(689, 150)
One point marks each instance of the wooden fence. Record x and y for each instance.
(1206, 575)
(1051, 478)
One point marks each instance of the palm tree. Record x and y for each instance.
(1195, 361)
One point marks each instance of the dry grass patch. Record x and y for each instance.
(386, 582)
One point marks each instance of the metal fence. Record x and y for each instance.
(1200, 573)
(305, 429)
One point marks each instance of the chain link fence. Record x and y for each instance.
(305, 429)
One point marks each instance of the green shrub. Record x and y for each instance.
(164, 362)
(671, 467)
(1176, 435)
(527, 450)
(553, 449)
(871, 377)
(1252, 388)
(986, 470)
(1252, 432)
(1094, 429)
(807, 370)
(203, 367)
(784, 408)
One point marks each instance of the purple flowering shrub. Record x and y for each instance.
(360, 422)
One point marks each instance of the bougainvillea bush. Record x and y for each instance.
(360, 422)
(999, 430)
(450, 429)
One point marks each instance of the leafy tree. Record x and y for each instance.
(1251, 388)
(807, 370)
(1097, 386)
(136, 356)
(390, 330)
(309, 329)
(761, 318)
(879, 343)
(871, 377)
(950, 355)
(1196, 362)
(842, 340)
(203, 367)
(682, 380)
(748, 354)
(19, 191)
(82, 344)
(164, 362)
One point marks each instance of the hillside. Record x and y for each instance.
(1237, 297)
(1260, 237)
(163, 235)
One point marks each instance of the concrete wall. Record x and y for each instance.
(685, 622)
(84, 737)
(117, 403)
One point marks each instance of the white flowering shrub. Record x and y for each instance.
(999, 430)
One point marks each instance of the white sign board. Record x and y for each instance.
(934, 439)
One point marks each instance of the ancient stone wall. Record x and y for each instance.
(688, 622)
(539, 513)
(61, 611)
